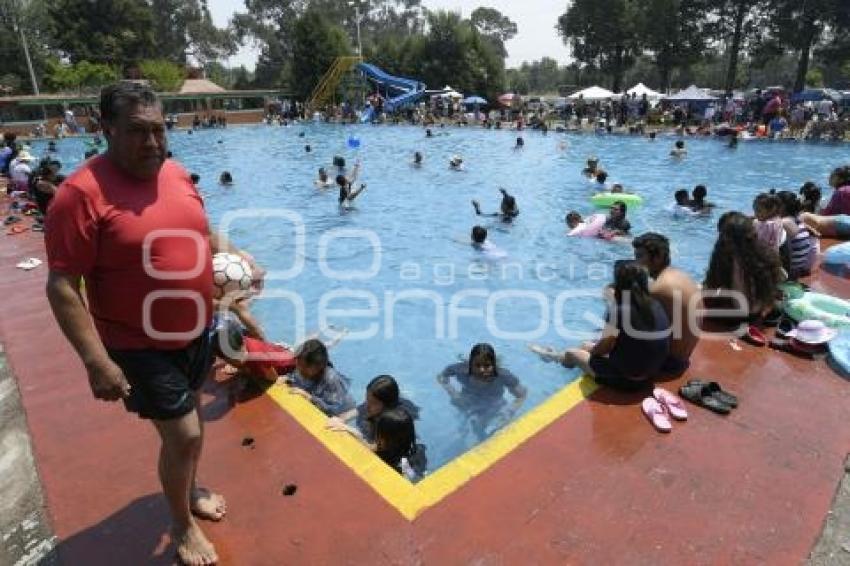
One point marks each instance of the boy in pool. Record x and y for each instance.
(456, 163)
(682, 208)
(482, 244)
(592, 168)
(601, 178)
(324, 181)
(520, 143)
(508, 206)
(698, 202)
(226, 178)
(417, 159)
(679, 150)
(587, 228)
(482, 387)
(316, 380)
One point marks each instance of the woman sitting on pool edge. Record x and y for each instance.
(636, 340)
(482, 387)
(509, 209)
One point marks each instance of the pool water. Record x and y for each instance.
(397, 269)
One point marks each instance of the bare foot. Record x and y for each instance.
(208, 505)
(193, 548)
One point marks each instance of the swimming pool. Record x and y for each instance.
(415, 286)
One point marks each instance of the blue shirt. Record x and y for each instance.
(329, 393)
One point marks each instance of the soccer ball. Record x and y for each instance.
(230, 273)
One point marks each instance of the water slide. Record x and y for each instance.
(403, 91)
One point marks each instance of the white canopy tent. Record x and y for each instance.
(690, 94)
(593, 93)
(640, 89)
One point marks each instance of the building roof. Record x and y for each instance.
(200, 86)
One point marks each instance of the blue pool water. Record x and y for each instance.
(409, 221)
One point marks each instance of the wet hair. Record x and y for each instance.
(339, 161)
(169, 154)
(313, 353)
(633, 278)
(520, 142)
(841, 175)
(479, 234)
(385, 389)
(652, 135)
(655, 245)
(617, 188)
(195, 178)
(508, 205)
(307, 148)
(621, 205)
(790, 204)
(572, 216)
(117, 97)
(396, 437)
(681, 196)
(225, 177)
(680, 144)
(811, 196)
(482, 350)
(601, 176)
(417, 156)
(428, 132)
(769, 203)
(760, 265)
(699, 193)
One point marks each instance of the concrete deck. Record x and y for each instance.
(598, 485)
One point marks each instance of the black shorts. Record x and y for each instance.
(163, 382)
(605, 373)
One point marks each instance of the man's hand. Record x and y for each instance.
(107, 381)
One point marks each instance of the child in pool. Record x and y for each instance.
(226, 178)
(768, 220)
(810, 195)
(316, 380)
(382, 395)
(592, 168)
(482, 387)
(698, 202)
(679, 150)
(682, 206)
(588, 228)
(324, 181)
(347, 193)
(456, 163)
(395, 444)
(601, 178)
(417, 159)
(509, 209)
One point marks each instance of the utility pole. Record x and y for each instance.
(357, 21)
(26, 49)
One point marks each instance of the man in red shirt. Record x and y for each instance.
(133, 225)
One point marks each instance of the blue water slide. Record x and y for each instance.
(404, 91)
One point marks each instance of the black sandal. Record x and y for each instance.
(698, 394)
(714, 389)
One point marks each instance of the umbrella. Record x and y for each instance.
(508, 99)
(474, 100)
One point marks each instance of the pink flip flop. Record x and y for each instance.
(656, 414)
(672, 403)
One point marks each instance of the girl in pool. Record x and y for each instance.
(810, 196)
(382, 395)
(395, 444)
(801, 250)
(482, 387)
(317, 380)
(509, 209)
(636, 339)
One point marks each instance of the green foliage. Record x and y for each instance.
(79, 76)
(316, 44)
(495, 26)
(30, 18)
(164, 75)
(185, 27)
(814, 78)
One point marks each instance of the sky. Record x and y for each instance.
(535, 20)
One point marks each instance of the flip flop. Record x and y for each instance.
(16, 229)
(697, 394)
(713, 388)
(656, 414)
(754, 336)
(672, 403)
(11, 219)
(29, 263)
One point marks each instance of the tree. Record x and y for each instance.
(164, 75)
(602, 33)
(673, 31)
(27, 20)
(185, 28)
(738, 22)
(495, 26)
(316, 43)
(79, 75)
(102, 31)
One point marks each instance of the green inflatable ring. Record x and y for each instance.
(832, 311)
(604, 200)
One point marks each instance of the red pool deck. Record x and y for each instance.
(598, 486)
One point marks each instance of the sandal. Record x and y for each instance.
(696, 393)
(717, 392)
(672, 403)
(16, 229)
(754, 336)
(656, 414)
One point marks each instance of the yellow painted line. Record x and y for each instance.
(412, 499)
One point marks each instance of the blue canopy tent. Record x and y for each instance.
(816, 95)
(474, 100)
(694, 97)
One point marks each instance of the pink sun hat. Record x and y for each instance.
(812, 332)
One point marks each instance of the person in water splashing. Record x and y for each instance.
(509, 209)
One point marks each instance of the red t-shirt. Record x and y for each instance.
(839, 203)
(98, 222)
(266, 355)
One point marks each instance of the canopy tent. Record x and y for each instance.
(593, 93)
(816, 94)
(690, 94)
(640, 89)
(449, 92)
(472, 100)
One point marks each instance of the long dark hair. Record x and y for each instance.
(760, 265)
(385, 389)
(632, 278)
(483, 350)
(395, 431)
